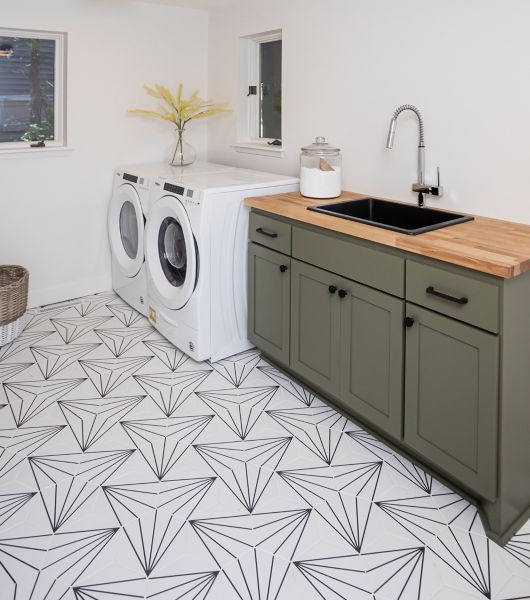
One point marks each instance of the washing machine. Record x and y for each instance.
(127, 214)
(196, 257)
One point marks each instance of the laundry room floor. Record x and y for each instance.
(129, 471)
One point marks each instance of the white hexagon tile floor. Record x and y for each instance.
(128, 471)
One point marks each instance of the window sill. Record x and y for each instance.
(49, 151)
(259, 149)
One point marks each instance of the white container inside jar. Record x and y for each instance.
(320, 170)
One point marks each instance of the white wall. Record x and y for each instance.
(53, 208)
(347, 64)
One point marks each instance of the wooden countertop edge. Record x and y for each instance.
(444, 244)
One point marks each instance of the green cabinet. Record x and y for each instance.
(315, 325)
(371, 361)
(269, 298)
(451, 398)
(431, 355)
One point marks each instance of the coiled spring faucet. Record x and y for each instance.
(420, 187)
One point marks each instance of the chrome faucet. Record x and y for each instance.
(420, 187)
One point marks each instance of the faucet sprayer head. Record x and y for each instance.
(391, 133)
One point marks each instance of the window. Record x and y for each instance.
(31, 89)
(260, 102)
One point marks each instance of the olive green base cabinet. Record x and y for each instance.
(315, 326)
(452, 398)
(433, 357)
(269, 299)
(371, 362)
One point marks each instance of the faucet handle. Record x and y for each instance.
(437, 190)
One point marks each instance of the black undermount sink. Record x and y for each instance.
(404, 218)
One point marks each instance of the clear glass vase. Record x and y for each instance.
(183, 154)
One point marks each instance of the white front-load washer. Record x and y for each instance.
(127, 214)
(196, 256)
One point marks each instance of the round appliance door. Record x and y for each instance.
(126, 229)
(171, 252)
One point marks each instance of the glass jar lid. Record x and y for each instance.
(320, 146)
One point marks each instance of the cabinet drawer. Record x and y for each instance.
(462, 297)
(270, 232)
(351, 259)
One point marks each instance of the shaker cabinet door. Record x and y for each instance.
(315, 326)
(451, 396)
(269, 298)
(372, 357)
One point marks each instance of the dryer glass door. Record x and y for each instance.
(129, 229)
(126, 229)
(171, 253)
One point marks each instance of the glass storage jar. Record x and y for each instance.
(320, 170)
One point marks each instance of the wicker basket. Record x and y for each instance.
(13, 301)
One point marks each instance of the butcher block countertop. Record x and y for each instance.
(491, 246)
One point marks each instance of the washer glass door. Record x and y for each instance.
(171, 252)
(129, 229)
(126, 229)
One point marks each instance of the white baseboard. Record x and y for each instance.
(67, 291)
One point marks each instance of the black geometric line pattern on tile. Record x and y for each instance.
(108, 373)
(341, 494)
(451, 530)
(67, 481)
(170, 390)
(237, 368)
(519, 546)
(403, 466)
(27, 399)
(9, 370)
(288, 384)
(391, 574)
(455, 557)
(239, 409)
(152, 514)
(12, 503)
(17, 444)
(42, 316)
(71, 329)
(22, 342)
(125, 314)
(53, 359)
(44, 567)
(118, 341)
(171, 356)
(192, 586)
(245, 466)
(163, 441)
(93, 303)
(92, 418)
(312, 427)
(254, 551)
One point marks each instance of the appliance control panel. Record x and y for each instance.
(140, 182)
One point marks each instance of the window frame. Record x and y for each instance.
(248, 113)
(59, 141)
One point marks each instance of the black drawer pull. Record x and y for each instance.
(283, 268)
(332, 289)
(271, 234)
(343, 294)
(430, 290)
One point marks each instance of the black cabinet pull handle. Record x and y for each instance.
(283, 268)
(332, 289)
(408, 322)
(343, 293)
(430, 290)
(271, 234)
